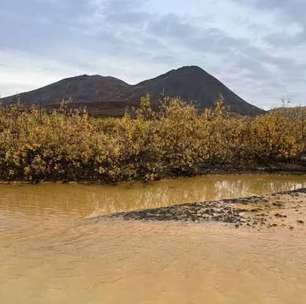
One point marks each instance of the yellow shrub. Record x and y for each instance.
(177, 139)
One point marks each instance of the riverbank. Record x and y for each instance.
(298, 168)
(286, 210)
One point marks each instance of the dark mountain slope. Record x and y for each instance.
(194, 84)
(79, 89)
(111, 96)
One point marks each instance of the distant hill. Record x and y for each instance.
(291, 112)
(111, 96)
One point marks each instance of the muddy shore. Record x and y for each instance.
(296, 168)
(285, 210)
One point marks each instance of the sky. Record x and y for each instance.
(255, 47)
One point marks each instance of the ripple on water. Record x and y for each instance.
(50, 254)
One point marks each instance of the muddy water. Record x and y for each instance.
(50, 253)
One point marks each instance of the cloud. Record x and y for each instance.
(260, 58)
(20, 71)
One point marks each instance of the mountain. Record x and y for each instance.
(112, 96)
(194, 84)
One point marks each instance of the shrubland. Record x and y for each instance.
(174, 140)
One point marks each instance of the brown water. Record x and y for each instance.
(50, 253)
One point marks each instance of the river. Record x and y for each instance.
(51, 253)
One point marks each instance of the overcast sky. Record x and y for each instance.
(256, 47)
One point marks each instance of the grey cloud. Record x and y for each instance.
(212, 40)
(287, 11)
(86, 33)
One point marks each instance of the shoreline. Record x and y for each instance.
(282, 169)
(285, 210)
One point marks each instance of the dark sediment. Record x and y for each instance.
(285, 209)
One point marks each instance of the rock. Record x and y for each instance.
(256, 211)
(274, 225)
(278, 204)
(280, 215)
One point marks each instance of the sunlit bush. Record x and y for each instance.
(176, 139)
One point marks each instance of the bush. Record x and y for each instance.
(176, 139)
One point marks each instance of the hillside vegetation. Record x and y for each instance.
(176, 140)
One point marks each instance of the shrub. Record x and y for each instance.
(175, 139)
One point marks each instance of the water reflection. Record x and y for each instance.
(88, 200)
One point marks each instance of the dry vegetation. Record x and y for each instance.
(175, 140)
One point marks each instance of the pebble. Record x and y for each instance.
(226, 211)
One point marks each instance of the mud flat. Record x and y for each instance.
(285, 210)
